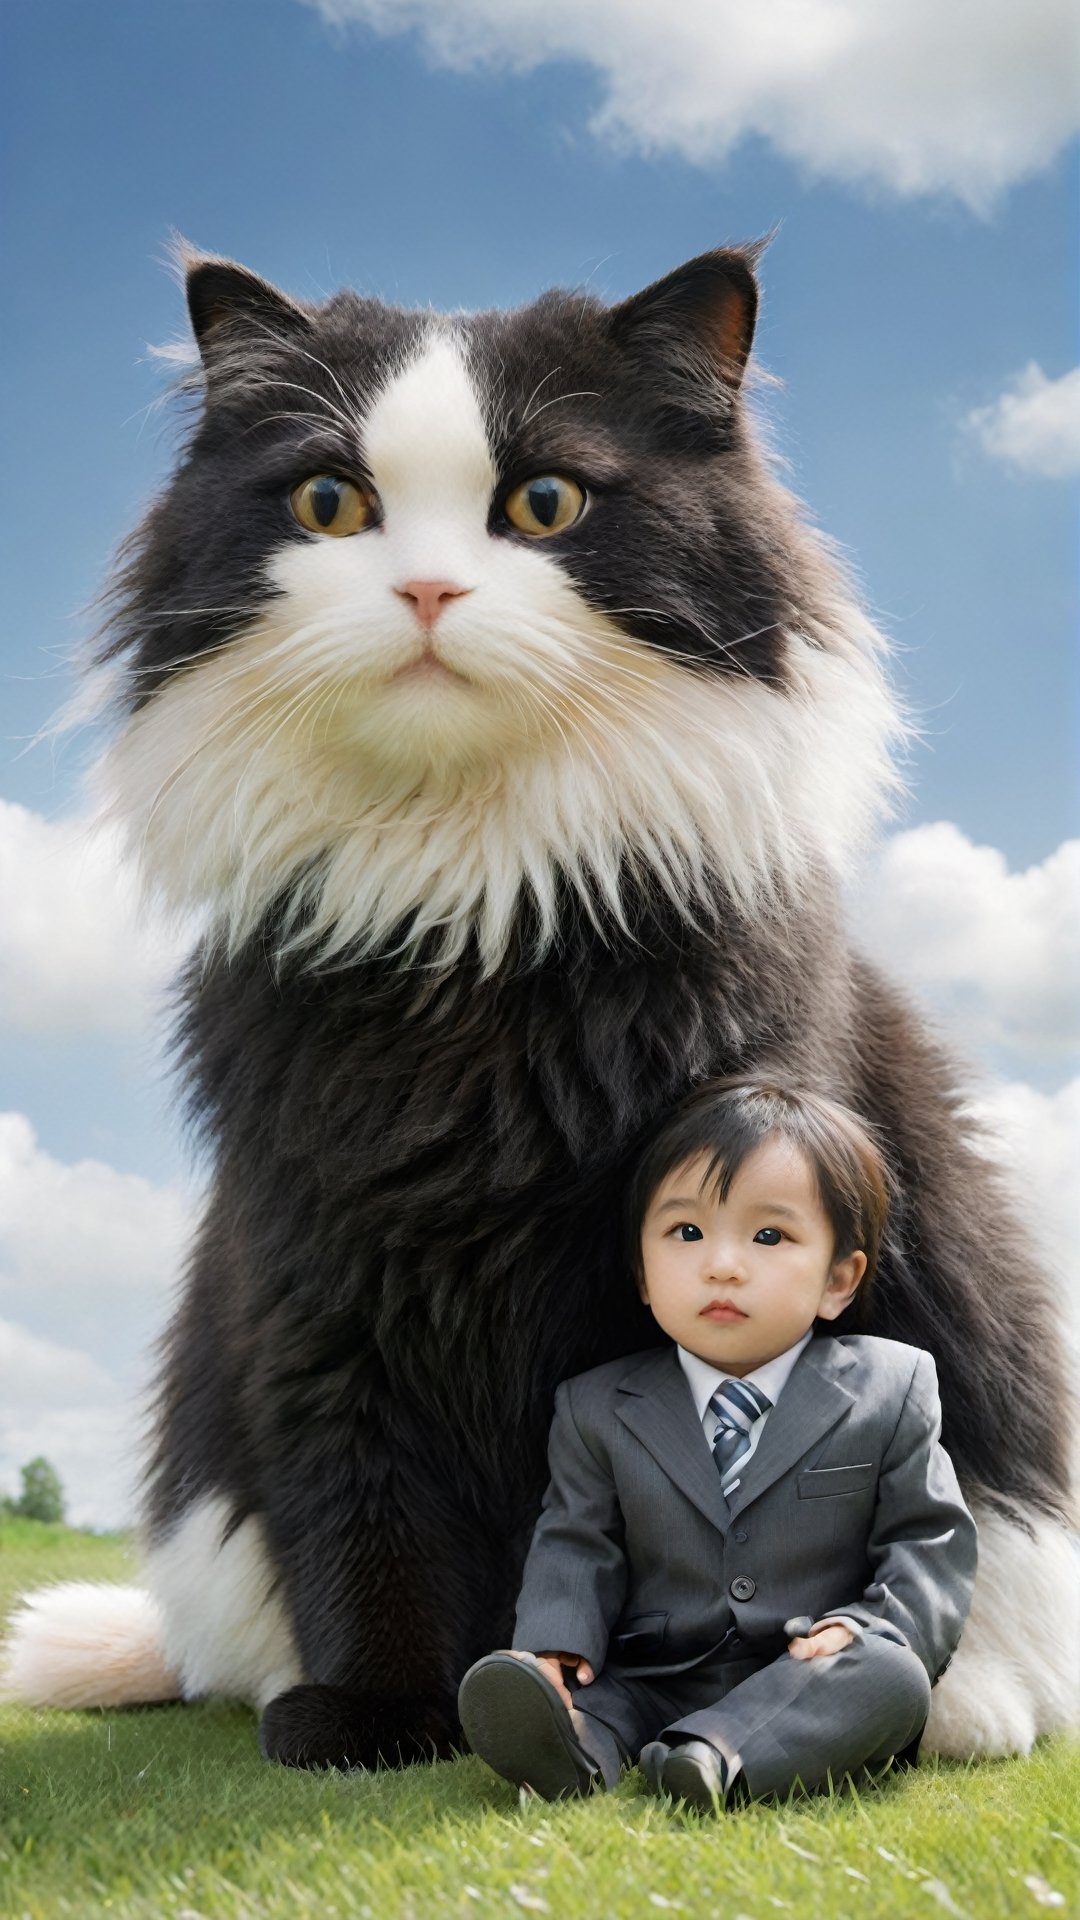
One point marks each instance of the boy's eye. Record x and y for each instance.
(686, 1231)
(769, 1236)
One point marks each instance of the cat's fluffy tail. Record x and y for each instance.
(84, 1643)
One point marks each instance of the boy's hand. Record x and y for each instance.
(552, 1664)
(828, 1639)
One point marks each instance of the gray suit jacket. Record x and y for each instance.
(849, 1504)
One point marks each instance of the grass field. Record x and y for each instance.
(170, 1812)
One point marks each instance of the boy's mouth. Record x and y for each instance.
(722, 1310)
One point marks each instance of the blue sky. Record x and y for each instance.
(324, 156)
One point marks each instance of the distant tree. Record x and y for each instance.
(42, 1494)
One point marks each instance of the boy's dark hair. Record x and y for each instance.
(728, 1118)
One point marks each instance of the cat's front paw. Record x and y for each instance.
(314, 1726)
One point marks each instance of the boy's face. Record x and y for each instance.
(740, 1281)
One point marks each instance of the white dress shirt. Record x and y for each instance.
(771, 1377)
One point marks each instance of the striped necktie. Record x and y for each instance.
(737, 1404)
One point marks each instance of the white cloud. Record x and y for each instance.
(1038, 1138)
(996, 954)
(75, 954)
(89, 1259)
(96, 1450)
(964, 98)
(37, 1374)
(86, 1253)
(1034, 425)
(61, 1403)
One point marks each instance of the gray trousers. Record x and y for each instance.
(783, 1721)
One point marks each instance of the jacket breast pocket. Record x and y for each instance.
(641, 1637)
(817, 1482)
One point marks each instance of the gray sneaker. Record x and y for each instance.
(514, 1719)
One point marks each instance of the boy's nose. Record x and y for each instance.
(724, 1269)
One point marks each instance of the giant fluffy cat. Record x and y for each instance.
(485, 686)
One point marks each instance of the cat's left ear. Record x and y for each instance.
(224, 298)
(699, 318)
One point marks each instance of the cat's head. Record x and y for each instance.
(437, 609)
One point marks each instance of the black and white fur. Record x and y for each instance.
(472, 928)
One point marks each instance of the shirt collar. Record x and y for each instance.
(771, 1376)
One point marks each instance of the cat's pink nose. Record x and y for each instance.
(429, 597)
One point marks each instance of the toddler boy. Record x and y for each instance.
(753, 1559)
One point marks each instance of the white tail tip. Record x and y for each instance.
(84, 1643)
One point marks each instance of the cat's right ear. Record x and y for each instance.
(699, 320)
(224, 300)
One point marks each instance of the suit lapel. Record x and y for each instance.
(656, 1403)
(813, 1400)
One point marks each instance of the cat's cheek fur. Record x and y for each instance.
(707, 781)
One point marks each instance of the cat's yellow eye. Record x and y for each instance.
(547, 504)
(325, 504)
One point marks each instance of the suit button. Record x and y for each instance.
(740, 1534)
(743, 1588)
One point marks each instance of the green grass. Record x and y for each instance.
(32, 1553)
(171, 1812)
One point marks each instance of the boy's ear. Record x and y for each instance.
(842, 1285)
(643, 1290)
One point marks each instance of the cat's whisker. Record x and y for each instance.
(613, 646)
(594, 718)
(554, 715)
(303, 703)
(530, 719)
(245, 669)
(343, 689)
(682, 617)
(178, 663)
(728, 648)
(298, 705)
(658, 613)
(171, 613)
(645, 715)
(629, 680)
(224, 723)
(322, 430)
(675, 879)
(269, 383)
(582, 737)
(584, 393)
(586, 670)
(647, 719)
(350, 399)
(527, 416)
(323, 698)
